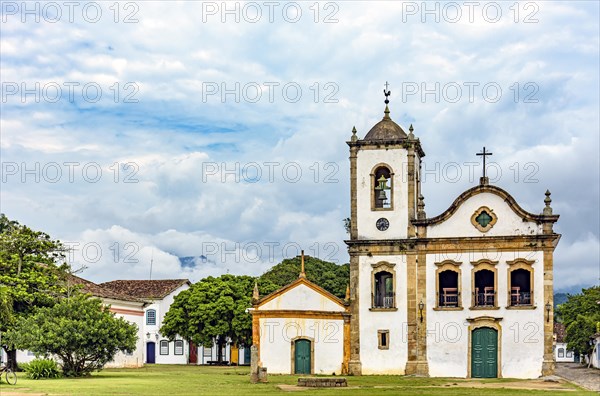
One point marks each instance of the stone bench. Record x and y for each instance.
(322, 382)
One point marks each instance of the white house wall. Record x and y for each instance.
(373, 359)
(276, 343)
(162, 307)
(128, 312)
(564, 358)
(522, 343)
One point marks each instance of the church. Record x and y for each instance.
(467, 293)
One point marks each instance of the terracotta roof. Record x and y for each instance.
(100, 291)
(148, 289)
(560, 332)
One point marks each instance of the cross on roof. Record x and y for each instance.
(484, 154)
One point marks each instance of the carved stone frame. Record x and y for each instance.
(485, 321)
(391, 190)
(380, 267)
(490, 224)
(521, 263)
(379, 333)
(448, 265)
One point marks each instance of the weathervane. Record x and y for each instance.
(386, 93)
(484, 154)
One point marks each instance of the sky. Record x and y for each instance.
(142, 132)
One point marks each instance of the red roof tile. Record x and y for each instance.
(148, 289)
(98, 290)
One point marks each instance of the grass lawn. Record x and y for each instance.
(171, 380)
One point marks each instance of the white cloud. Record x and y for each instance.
(171, 132)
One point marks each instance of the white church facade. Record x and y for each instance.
(467, 293)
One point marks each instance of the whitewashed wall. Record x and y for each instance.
(276, 343)
(564, 358)
(522, 344)
(366, 218)
(302, 297)
(162, 307)
(373, 359)
(509, 223)
(135, 359)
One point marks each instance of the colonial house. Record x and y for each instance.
(561, 353)
(158, 295)
(466, 293)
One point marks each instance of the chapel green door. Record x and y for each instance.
(484, 353)
(302, 357)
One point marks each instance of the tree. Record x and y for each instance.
(80, 331)
(330, 276)
(580, 314)
(28, 272)
(213, 309)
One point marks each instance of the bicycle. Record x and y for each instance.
(9, 375)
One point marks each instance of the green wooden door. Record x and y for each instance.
(484, 353)
(302, 358)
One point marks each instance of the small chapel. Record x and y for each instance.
(467, 293)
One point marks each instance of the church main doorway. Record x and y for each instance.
(484, 353)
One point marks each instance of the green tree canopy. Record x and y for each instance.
(580, 314)
(212, 309)
(80, 331)
(31, 273)
(330, 276)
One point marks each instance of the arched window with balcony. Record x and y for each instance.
(448, 288)
(383, 287)
(484, 284)
(520, 283)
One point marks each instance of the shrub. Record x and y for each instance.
(41, 368)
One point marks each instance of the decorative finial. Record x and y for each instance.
(387, 93)
(421, 208)
(302, 274)
(411, 134)
(354, 138)
(547, 201)
(347, 298)
(255, 295)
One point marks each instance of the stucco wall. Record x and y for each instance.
(522, 343)
(564, 358)
(162, 307)
(276, 343)
(135, 359)
(373, 359)
(459, 224)
(366, 218)
(302, 297)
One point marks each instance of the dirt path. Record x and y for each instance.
(588, 378)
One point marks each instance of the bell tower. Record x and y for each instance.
(385, 188)
(385, 180)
